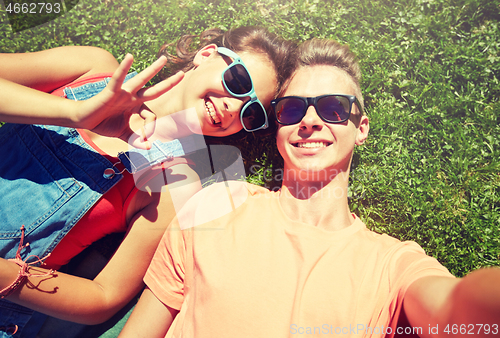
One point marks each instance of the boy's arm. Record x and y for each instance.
(150, 318)
(470, 304)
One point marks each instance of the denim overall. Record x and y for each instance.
(49, 179)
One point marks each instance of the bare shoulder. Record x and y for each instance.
(98, 60)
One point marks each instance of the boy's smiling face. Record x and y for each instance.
(312, 145)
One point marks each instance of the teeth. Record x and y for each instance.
(211, 112)
(311, 144)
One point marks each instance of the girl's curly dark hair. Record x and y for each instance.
(280, 52)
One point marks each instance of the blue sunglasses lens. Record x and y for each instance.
(253, 116)
(290, 110)
(333, 108)
(238, 80)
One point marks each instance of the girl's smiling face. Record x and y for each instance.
(313, 145)
(217, 110)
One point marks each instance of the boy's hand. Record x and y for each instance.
(109, 112)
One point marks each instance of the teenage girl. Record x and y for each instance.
(56, 182)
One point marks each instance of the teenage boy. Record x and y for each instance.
(297, 261)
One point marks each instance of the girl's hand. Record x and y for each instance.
(109, 112)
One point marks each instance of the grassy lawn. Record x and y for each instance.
(430, 170)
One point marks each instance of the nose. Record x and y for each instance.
(311, 120)
(233, 105)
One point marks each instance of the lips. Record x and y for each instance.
(212, 113)
(311, 144)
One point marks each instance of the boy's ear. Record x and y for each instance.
(204, 53)
(363, 129)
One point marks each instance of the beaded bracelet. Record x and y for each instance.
(24, 267)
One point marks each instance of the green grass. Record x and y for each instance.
(429, 171)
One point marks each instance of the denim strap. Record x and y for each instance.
(88, 90)
(138, 159)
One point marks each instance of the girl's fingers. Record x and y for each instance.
(141, 138)
(138, 81)
(120, 73)
(160, 88)
(149, 124)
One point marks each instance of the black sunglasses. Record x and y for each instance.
(331, 108)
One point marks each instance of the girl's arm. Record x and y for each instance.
(150, 318)
(52, 68)
(91, 302)
(107, 113)
(26, 77)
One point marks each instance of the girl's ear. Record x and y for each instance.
(363, 129)
(204, 53)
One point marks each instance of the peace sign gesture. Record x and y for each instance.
(108, 113)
